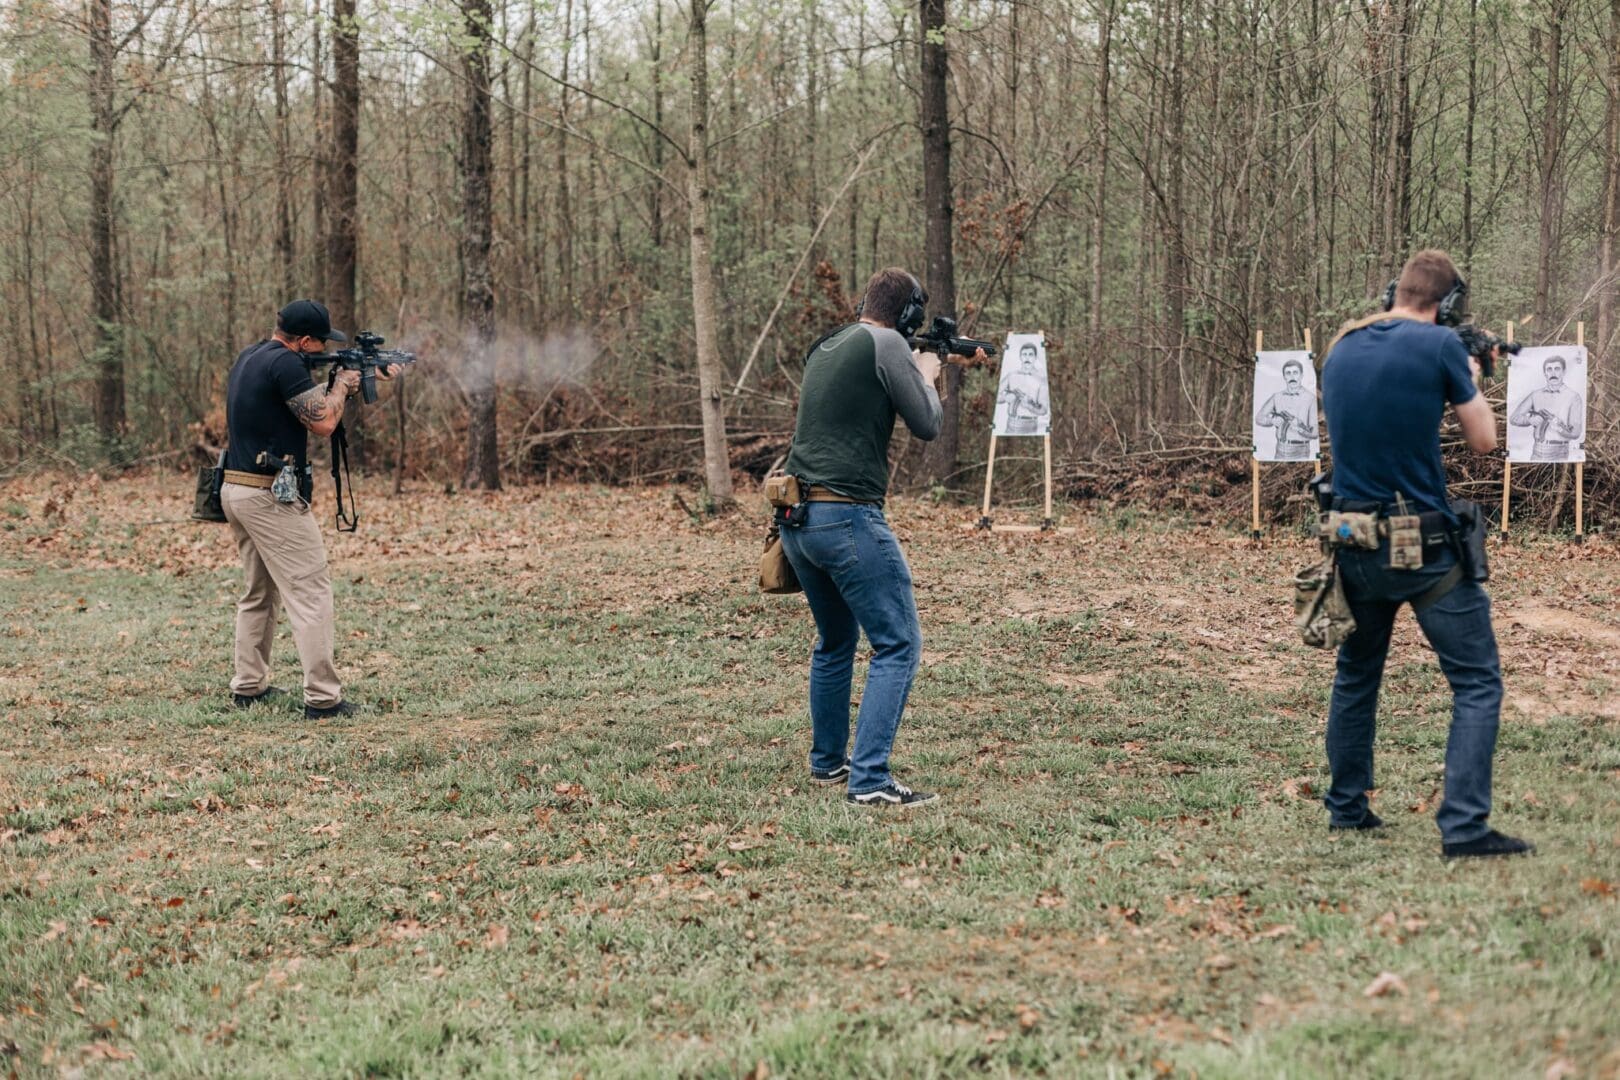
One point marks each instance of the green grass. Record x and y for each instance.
(573, 835)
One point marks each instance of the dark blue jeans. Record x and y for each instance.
(1458, 628)
(856, 578)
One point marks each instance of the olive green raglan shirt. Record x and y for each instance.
(855, 383)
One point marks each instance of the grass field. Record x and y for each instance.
(574, 834)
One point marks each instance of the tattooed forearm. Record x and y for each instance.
(316, 406)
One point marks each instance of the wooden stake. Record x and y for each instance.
(1312, 357)
(1254, 482)
(1580, 466)
(989, 473)
(1507, 466)
(1046, 522)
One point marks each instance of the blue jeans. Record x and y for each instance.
(856, 578)
(1458, 628)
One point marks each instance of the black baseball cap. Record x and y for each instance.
(308, 318)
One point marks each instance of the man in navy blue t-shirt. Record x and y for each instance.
(1385, 388)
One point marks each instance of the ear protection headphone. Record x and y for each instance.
(911, 316)
(910, 319)
(1453, 305)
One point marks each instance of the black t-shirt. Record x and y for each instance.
(264, 378)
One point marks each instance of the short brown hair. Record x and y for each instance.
(887, 294)
(1426, 278)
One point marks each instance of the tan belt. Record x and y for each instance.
(818, 493)
(248, 479)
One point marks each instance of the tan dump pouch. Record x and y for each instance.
(1321, 611)
(1341, 528)
(783, 490)
(775, 572)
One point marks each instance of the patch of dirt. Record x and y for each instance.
(1553, 621)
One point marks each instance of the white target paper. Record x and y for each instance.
(1285, 413)
(1547, 404)
(1023, 405)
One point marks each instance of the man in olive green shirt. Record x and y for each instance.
(856, 381)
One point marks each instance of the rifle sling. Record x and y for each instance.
(347, 520)
(1436, 592)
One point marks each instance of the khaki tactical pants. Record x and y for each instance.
(283, 560)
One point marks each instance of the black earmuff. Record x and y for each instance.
(912, 315)
(1453, 306)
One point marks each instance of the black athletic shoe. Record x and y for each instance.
(1368, 822)
(896, 795)
(263, 697)
(829, 777)
(327, 712)
(1490, 846)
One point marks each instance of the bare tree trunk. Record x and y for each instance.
(404, 258)
(342, 238)
(1609, 238)
(655, 194)
(1099, 217)
(525, 169)
(1177, 275)
(565, 212)
(705, 317)
(285, 251)
(478, 294)
(109, 410)
(1404, 121)
(939, 459)
(1552, 143)
(322, 157)
(1468, 137)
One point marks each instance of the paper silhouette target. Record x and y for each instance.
(1285, 425)
(1022, 400)
(1547, 404)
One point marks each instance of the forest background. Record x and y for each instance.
(611, 228)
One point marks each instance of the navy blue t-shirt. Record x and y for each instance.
(1384, 390)
(265, 377)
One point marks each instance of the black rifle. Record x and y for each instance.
(366, 357)
(1479, 342)
(941, 338)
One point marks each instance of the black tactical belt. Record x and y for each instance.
(1435, 525)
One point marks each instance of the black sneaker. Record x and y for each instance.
(1490, 846)
(895, 794)
(1368, 822)
(829, 777)
(263, 697)
(327, 712)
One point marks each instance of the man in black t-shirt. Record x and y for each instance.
(271, 404)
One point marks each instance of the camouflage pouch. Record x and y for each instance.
(1406, 543)
(1321, 611)
(1340, 528)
